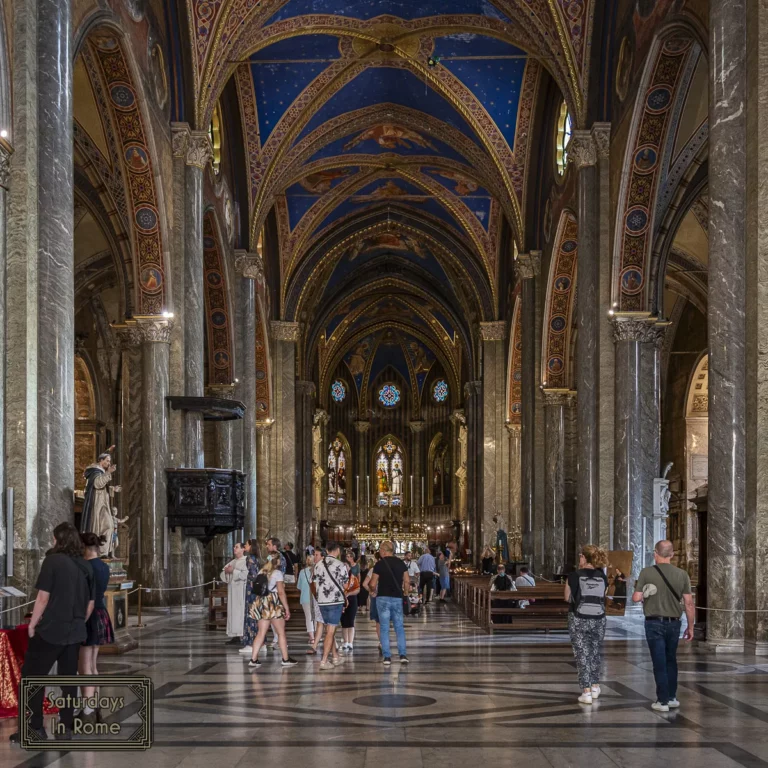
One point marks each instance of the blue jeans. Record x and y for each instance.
(662, 638)
(391, 608)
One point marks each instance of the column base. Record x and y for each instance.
(722, 645)
(756, 647)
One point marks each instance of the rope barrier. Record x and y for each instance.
(175, 589)
(16, 607)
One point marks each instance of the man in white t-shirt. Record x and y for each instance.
(524, 580)
(328, 583)
(413, 568)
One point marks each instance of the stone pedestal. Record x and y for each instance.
(637, 436)
(726, 306)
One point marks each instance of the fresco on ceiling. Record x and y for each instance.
(388, 309)
(404, 9)
(348, 145)
(390, 136)
(282, 71)
(388, 189)
(377, 85)
(421, 358)
(319, 183)
(300, 197)
(458, 183)
(357, 358)
(341, 313)
(390, 241)
(484, 65)
(481, 207)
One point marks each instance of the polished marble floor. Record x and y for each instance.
(465, 699)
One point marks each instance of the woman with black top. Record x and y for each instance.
(99, 625)
(351, 592)
(488, 559)
(253, 563)
(362, 598)
(585, 594)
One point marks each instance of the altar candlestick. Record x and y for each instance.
(413, 501)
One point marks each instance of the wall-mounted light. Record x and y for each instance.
(611, 313)
(237, 381)
(168, 314)
(3, 134)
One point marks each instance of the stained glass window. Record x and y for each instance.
(389, 395)
(563, 136)
(338, 391)
(440, 391)
(390, 475)
(337, 472)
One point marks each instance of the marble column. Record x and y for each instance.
(756, 499)
(6, 537)
(637, 435)
(221, 546)
(305, 411)
(319, 466)
(146, 341)
(264, 464)
(417, 503)
(495, 442)
(362, 428)
(527, 271)
(285, 336)
(515, 509)
(250, 268)
(197, 158)
(583, 152)
(473, 410)
(555, 403)
(458, 487)
(726, 318)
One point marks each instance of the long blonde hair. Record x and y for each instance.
(272, 564)
(595, 556)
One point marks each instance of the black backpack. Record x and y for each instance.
(261, 585)
(501, 582)
(591, 602)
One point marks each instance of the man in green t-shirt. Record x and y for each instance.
(664, 589)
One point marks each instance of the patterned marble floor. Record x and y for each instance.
(466, 697)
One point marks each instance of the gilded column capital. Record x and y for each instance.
(283, 331)
(560, 397)
(601, 135)
(362, 426)
(140, 330)
(249, 265)
(6, 150)
(528, 265)
(199, 149)
(417, 426)
(646, 330)
(223, 391)
(582, 149)
(493, 331)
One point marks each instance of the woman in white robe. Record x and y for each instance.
(235, 574)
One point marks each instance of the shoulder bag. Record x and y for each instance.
(669, 586)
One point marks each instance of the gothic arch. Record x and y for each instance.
(380, 452)
(558, 310)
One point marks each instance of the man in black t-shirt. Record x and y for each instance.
(390, 582)
(64, 602)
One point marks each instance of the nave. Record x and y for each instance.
(465, 699)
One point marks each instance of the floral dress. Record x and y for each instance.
(251, 626)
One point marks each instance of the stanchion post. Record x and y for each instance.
(139, 625)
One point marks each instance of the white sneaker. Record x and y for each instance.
(659, 707)
(673, 704)
(246, 649)
(350, 647)
(585, 698)
(595, 691)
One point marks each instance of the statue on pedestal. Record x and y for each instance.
(502, 541)
(97, 516)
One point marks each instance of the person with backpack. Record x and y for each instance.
(665, 591)
(585, 594)
(328, 583)
(270, 608)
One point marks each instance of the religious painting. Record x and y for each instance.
(619, 568)
(389, 475)
(440, 469)
(389, 136)
(321, 182)
(337, 471)
(391, 241)
(464, 185)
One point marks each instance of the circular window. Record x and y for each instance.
(440, 391)
(389, 395)
(562, 137)
(338, 391)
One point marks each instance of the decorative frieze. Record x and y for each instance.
(284, 331)
(559, 397)
(493, 331)
(223, 391)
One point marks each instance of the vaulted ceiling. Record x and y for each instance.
(391, 138)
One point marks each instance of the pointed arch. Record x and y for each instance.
(389, 471)
(337, 470)
(558, 311)
(439, 467)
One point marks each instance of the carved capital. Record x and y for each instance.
(493, 331)
(306, 388)
(458, 417)
(320, 418)
(282, 331)
(224, 391)
(601, 135)
(362, 426)
(249, 265)
(582, 150)
(527, 265)
(6, 150)
(559, 397)
(642, 329)
(417, 426)
(473, 388)
(140, 330)
(515, 430)
(179, 139)
(199, 149)
(264, 427)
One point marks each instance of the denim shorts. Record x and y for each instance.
(331, 614)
